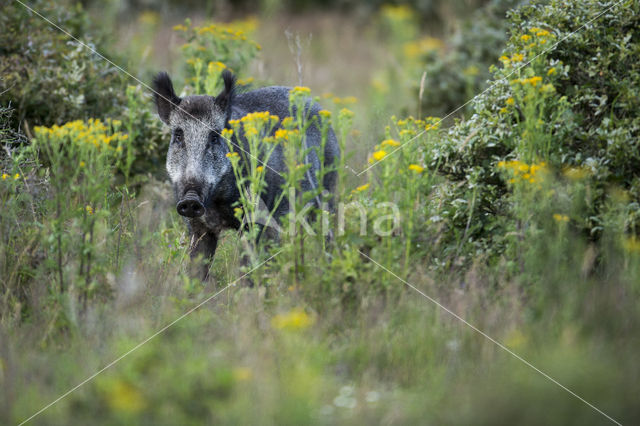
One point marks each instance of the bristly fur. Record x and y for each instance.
(226, 97)
(164, 95)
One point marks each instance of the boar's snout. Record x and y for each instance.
(190, 205)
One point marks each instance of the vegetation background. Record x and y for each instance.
(519, 212)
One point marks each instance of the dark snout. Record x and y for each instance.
(191, 205)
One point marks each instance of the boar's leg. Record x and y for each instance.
(202, 248)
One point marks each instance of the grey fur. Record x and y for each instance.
(198, 164)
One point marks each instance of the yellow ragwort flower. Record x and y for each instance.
(296, 319)
(416, 168)
(362, 187)
(226, 133)
(324, 114)
(560, 217)
(300, 90)
(232, 155)
(390, 142)
(379, 155)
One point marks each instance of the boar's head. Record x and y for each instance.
(197, 165)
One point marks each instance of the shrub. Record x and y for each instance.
(48, 77)
(579, 116)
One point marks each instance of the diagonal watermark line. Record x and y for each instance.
(122, 70)
(491, 339)
(139, 345)
(504, 79)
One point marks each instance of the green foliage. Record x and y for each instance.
(546, 111)
(454, 76)
(216, 46)
(48, 78)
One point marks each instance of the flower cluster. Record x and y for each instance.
(297, 319)
(255, 123)
(234, 31)
(560, 218)
(424, 46)
(285, 135)
(523, 172)
(349, 100)
(533, 81)
(300, 90)
(6, 176)
(91, 133)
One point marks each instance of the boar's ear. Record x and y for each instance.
(164, 96)
(225, 98)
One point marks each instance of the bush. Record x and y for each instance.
(47, 77)
(579, 116)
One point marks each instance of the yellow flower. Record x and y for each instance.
(551, 71)
(390, 142)
(379, 155)
(631, 244)
(179, 28)
(525, 37)
(259, 169)
(282, 134)
(82, 164)
(362, 187)
(287, 122)
(345, 113)
(226, 133)
(4, 176)
(324, 114)
(503, 110)
(510, 101)
(232, 155)
(416, 168)
(504, 59)
(296, 319)
(535, 80)
(89, 209)
(543, 33)
(560, 217)
(16, 176)
(517, 57)
(245, 81)
(123, 397)
(300, 90)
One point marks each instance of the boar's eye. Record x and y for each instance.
(178, 137)
(214, 137)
